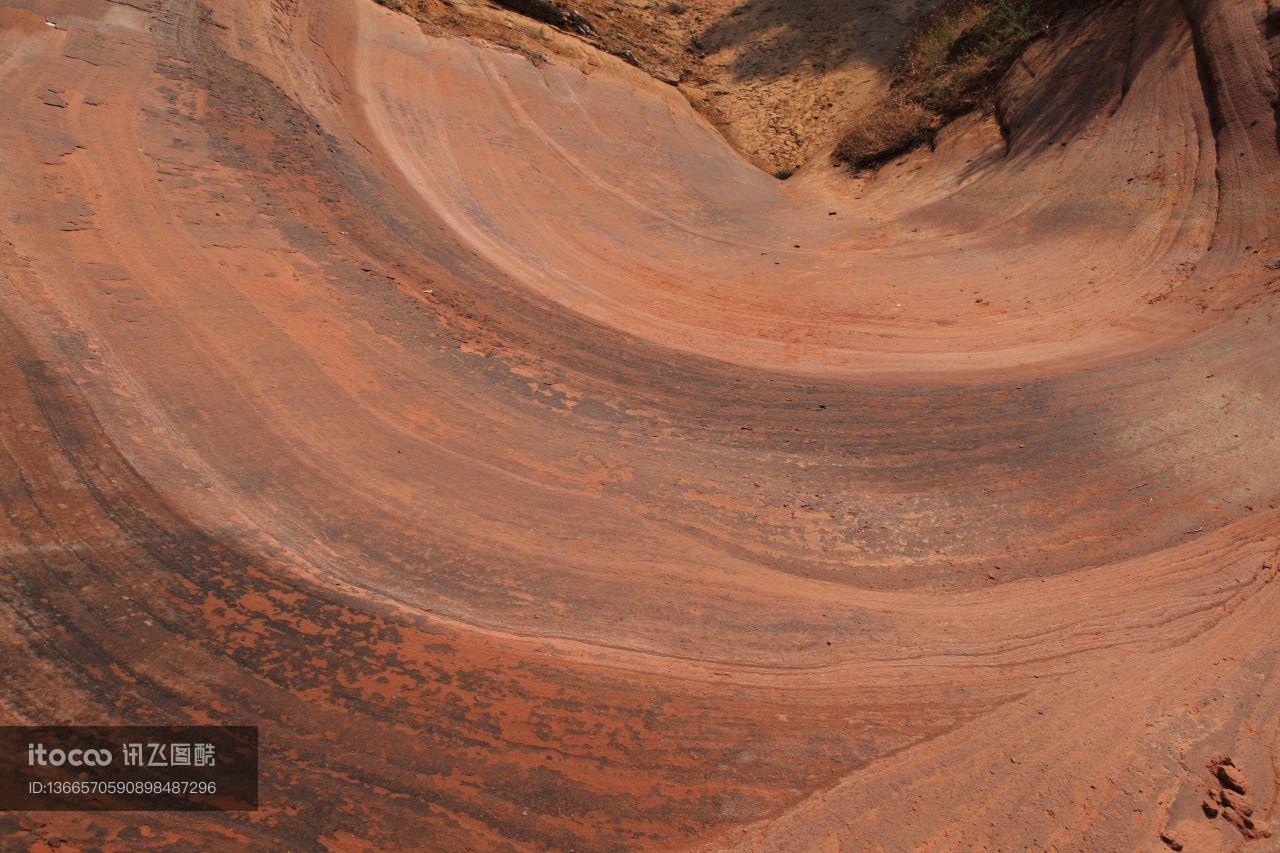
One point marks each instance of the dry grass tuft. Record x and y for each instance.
(948, 68)
(889, 127)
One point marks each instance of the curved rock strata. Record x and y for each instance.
(536, 472)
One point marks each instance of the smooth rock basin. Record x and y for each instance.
(534, 471)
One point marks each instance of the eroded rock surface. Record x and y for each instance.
(535, 471)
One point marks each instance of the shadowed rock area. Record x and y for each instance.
(537, 473)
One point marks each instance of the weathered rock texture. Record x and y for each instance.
(536, 472)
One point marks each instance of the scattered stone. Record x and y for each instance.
(1239, 802)
(1170, 839)
(547, 12)
(1230, 777)
(1210, 807)
(579, 23)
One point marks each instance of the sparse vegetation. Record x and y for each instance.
(948, 68)
(776, 91)
(409, 7)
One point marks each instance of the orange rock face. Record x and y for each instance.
(538, 474)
